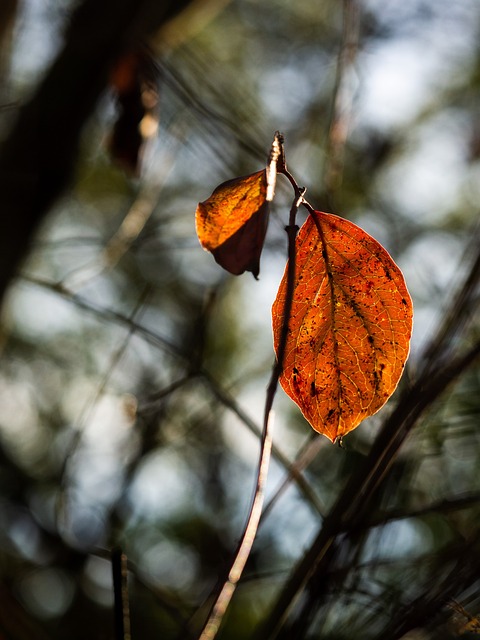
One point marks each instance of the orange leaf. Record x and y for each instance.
(232, 223)
(350, 326)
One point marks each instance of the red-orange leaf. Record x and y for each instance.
(350, 326)
(232, 223)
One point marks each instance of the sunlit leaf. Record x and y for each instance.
(232, 223)
(350, 326)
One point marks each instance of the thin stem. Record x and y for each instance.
(292, 231)
(223, 599)
(219, 608)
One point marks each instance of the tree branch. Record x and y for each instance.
(354, 500)
(225, 595)
(38, 157)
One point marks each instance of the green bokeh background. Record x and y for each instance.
(132, 390)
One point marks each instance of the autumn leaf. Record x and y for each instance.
(232, 223)
(350, 325)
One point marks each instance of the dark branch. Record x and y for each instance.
(38, 157)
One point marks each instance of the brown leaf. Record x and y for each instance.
(134, 79)
(350, 326)
(232, 223)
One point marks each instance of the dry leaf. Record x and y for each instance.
(350, 326)
(232, 223)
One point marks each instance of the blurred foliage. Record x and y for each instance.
(133, 369)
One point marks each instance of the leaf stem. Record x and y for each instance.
(292, 230)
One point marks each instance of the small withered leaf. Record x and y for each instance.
(233, 221)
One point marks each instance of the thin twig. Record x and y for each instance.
(446, 505)
(93, 402)
(230, 402)
(460, 311)
(121, 608)
(219, 608)
(159, 342)
(304, 457)
(343, 96)
(223, 599)
(131, 227)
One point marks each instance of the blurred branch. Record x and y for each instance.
(460, 311)
(229, 401)
(120, 591)
(8, 11)
(448, 505)
(210, 119)
(462, 573)
(158, 341)
(132, 225)
(105, 313)
(38, 157)
(343, 95)
(190, 22)
(92, 402)
(304, 457)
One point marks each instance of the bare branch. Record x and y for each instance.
(343, 96)
(223, 599)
